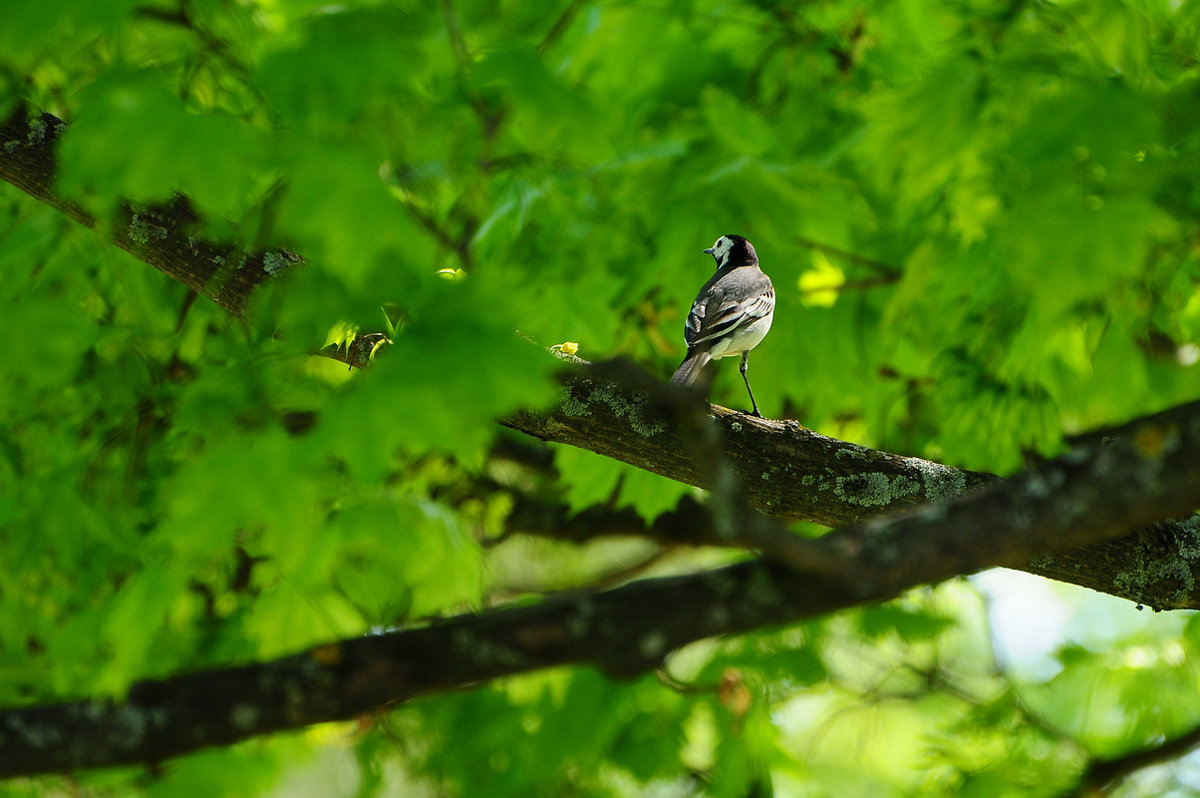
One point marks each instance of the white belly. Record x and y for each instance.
(746, 339)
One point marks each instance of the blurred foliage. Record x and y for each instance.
(979, 219)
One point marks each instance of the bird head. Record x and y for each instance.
(732, 250)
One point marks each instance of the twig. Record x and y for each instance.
(181, 17)
(1104, 775)
(458, 45)
(874, 265)
(852, 285)
(560, 26)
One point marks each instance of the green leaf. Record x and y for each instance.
(912, 626)
(337, 210)
(593, 480)
(156, 147)
(30, 24)
(347, 59)
(457, 368)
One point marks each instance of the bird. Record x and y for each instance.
(731, 314)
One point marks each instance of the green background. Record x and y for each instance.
(980, 219)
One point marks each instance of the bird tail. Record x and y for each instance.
(691, 368)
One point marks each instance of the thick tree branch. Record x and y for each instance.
(164, 235)
(786, 470)
(790, 472)
(27, 160)
(1151, 466)
(624, 631)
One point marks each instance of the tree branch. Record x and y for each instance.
(790, 472)
(785, 470)
(610, 629)
(888, 274)
(560, 26)
(1106, 774)
(164, 236)
(1108, 483)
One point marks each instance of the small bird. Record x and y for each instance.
(731, 314)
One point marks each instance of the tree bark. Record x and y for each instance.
(166, 236)
(787, 471)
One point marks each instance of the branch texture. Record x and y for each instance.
(164, 235)
(788, 471)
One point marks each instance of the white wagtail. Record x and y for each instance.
(731, 314)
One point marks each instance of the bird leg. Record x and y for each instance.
(742, 368)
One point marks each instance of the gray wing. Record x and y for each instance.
(735, 300)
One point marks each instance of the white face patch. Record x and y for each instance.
(720, 250)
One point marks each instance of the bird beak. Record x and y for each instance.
(708, 251)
